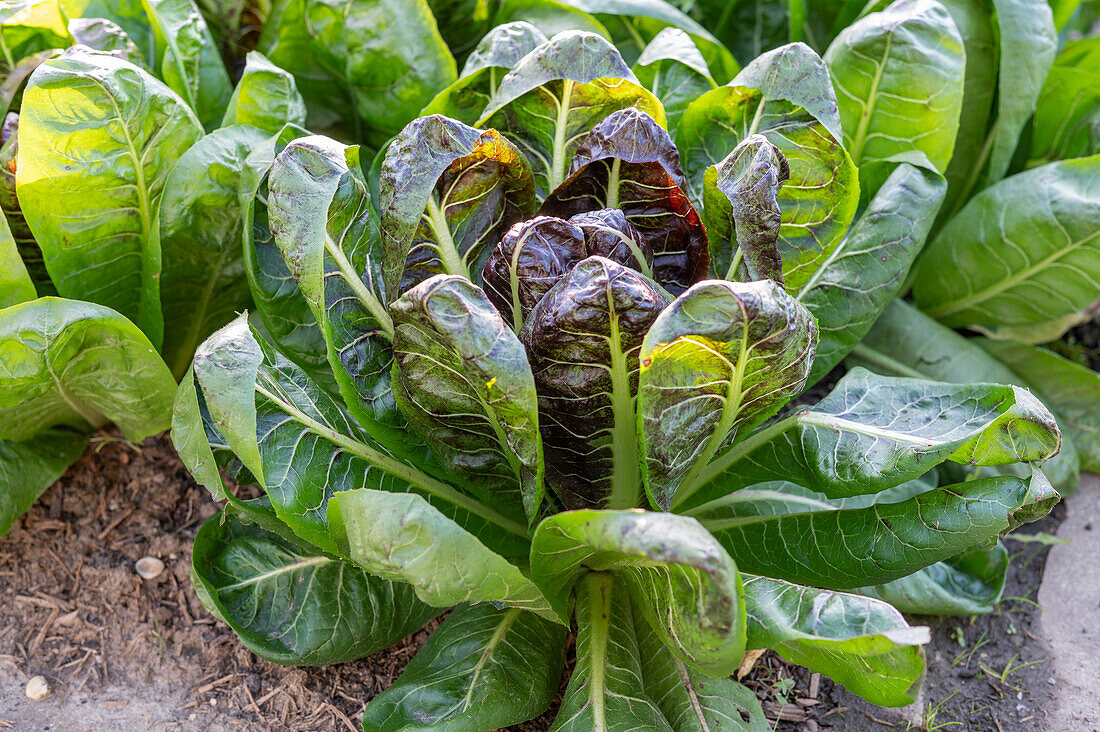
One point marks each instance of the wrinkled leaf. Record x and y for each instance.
(672, 67)
(101, 34)
(898, 76)
(683, 583)
(860, 642)
(874, 432)
(78, 364)
(461, 377)
(443, 211)
(482, 668)
(557, 93)
(628, 162)
(582, 342)
(105, 164)
(402, 537)
(721, 359)
(1022, 252)
(202, 279)
(292, 604)
(266, 97)
(29, 467)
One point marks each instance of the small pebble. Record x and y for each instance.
(37, 688)
(149, 567)
(1052, 682)
(811, 725)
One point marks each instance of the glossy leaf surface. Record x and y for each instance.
(266, 97)
(15, 283)
(722, 358)
(29, 467)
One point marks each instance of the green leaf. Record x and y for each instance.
(28, 248)
(549, 16)
(462, 379)
(28, 28)
(719, 360)
(1066, 118)
(672, 67)
(874, 432)
(557, 93)
(402, 537)
(690, 700)
(266, 97)
(628, 162)
(741, 194)
(189, 60)
(130, 15)
(748, 28)
(78, 364)
(105, 163)
(442, 212)
(969, 584)
(462, 22)
(101, 34)
(867, 270)
(15, 284)
(320, 215)
(860, 642)
(899, 76)
(683, 582)
(367, 65)
(29, 467)
(202, 275)
(1072, 392)
(606, 690)
(795, 111)
(1022, 253)
(582, 343)
(287, 318)
(849, 548)
(483, 668)
(906, 342)
(500, 50)
(292, 604)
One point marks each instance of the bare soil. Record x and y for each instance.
(122, 653)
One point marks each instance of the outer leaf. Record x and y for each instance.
(129, 15)
(898, 76)
(189, 61)
(582, 342)
(64, 362)
(867, 270)
(748, 27)
(906, 342)
(1066, 117)
(483, 668)
(969, 584)
(745, 219)
(462, 22)
(1028, 43)
(672, 67)
(628, 162)
(500, 50)
(550, 16)
(848, 548)
(719, 360)
(862, 643)
(202, 277)
(29, 467)
(15, 284)
(292, 604)
(690, 700)
(443, 211)
(1021, 253)
(795, 111)
(287, 318)
(105, 163)
(606, 691)
(684, 584)
(1071, 390)
(266, 97)
(462, 378)
(27, 28)
(101, 34)
(384, 59)
(402, 537)
(27, 248)
(874, 432)
(320, 215)
(302, 449)
(557, 93)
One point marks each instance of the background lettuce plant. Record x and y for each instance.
(555, 396)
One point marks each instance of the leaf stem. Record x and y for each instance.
(370, 302)
(599, 589)
(625, 488)
(448, 253)
(557, 158)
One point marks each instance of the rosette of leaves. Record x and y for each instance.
(547, 405)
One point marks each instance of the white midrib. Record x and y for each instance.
(259, 578)
(365, 296)
(517, 308)
(599, 620)
(557, 156)
(860, 138)
(696, 707)
(490, 647)
(624, 442)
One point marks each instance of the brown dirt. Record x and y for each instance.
(120, 652)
